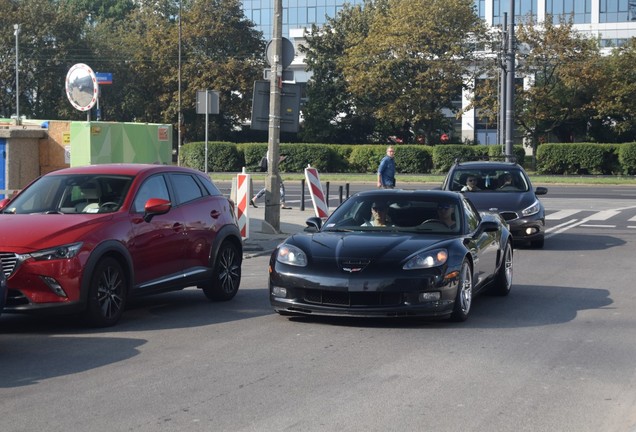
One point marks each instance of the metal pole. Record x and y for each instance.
(272, 182)
(16, 27)
(179, 119)
(302, 195)
(503, 85)
(510, 93)
(207, 111)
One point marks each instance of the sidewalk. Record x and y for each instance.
(262, 240)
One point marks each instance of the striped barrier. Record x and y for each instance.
(315, 190)
(242, 198)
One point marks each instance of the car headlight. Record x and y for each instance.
(58, 252)
(427, 259)
(534, 208)
(292, 255)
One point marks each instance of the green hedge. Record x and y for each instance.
(627, 158)
(580, 159)
(222, 156)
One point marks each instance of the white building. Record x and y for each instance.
(612, 22)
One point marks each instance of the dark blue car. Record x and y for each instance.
(503, 187)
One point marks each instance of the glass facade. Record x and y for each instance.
(579, 10)
(617, 11)
(523, 9)
(296, 13)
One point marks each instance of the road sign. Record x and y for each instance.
(104, 77)
(213, 102)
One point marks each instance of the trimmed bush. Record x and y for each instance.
(222, 156)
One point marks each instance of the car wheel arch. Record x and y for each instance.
(112, 249)
(227, 233)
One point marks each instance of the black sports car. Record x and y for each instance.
(503, 187)
(393, 253)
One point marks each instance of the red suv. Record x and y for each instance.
(86, 239)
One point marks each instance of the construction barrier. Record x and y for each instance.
(321, 207)
(243, 182)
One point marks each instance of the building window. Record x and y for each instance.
(579, 10)
(480, 8)
(617, 11)
(523, 9)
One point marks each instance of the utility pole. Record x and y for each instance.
(510, 92)
(16, 27)
(179, 118)
(272, 182)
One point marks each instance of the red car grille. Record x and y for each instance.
(9, 261)
(352, 299)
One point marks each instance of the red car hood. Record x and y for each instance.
(26, 233)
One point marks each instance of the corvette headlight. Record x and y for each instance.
(427, 259)
(292, 255)
(59, 252)
(534, 208)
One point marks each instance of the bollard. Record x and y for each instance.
(302, 195)
(327, 192)
(340, 194)
(347, 189)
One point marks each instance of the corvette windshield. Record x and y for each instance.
(385, 213)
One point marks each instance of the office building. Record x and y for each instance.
(612, 22)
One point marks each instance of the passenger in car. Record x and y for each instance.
(445, 214)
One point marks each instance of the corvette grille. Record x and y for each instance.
(9, 261)
(509, 215)
(352, 299)
(353, 266)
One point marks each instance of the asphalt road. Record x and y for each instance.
(556, 355)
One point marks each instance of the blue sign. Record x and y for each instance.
(104, 77)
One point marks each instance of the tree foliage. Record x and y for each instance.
(396, 64)
(138, 42)
(615, 104)
(560, 71)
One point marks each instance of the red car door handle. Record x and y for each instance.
(215, 214)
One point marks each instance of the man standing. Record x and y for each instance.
(386, 170)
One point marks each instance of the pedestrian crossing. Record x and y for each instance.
(560, 220)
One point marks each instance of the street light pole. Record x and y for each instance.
(510, 92)
(16, 27)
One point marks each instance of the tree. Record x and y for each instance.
(414, 61)
(48, 46)
(330, 113)
(615, 103)
(564, 67)
(557, 76)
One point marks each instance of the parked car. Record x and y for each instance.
(503, 187)
(433, 254)
(86, 239)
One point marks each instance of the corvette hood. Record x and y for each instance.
(26, 233)
(365, 246)
(502, 201)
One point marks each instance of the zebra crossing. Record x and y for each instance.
(564, 219)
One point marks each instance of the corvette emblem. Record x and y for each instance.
(352, 269)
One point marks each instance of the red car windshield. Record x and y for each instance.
(79, 193)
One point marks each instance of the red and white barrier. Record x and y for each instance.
(242, 198)
(321, 208)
